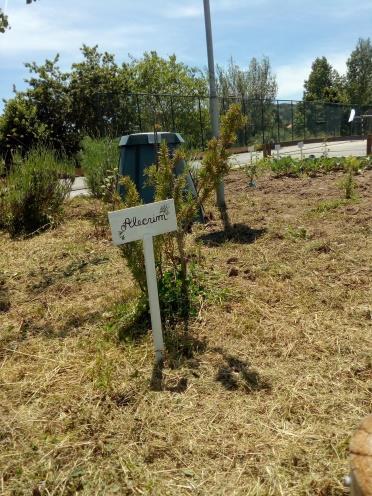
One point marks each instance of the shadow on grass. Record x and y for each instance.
(182, 350)
(159, 383)
(132, 322)
(235, 373)
(179, 342)
(136, 328)
(182, 346)
(239, 233)
(4, 295)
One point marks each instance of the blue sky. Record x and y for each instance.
(291, 33)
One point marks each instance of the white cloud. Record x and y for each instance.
(235, 4)
(353, 10)
(184, 11)
(42, 29)
(338, 61)
(195, 9)
(30, 33)
(54, 30)
(291, 77)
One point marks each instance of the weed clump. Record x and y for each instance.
(99, 158)
(348, 185)
(33, 192)
(290, 166)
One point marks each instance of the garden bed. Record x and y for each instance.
(278, 378)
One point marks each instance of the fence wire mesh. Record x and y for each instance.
(268, 121)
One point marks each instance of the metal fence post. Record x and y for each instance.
(262, 122)
(278, 117)
(201, 124)
(153, 105)
(139, 113)
(172, 114)
(245, 125)
(292, 120)
(304, 120)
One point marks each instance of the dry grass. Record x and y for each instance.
(267, 408)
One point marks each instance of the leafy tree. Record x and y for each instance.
(232, 81)
(97, 90)
(159, 78)
(256, 83)
(49, 93)
(4, 23)
(359, 73)
(108, 98)
(255, 88)
(156, 75)
(261, 83)
(40, 114)
(20, 127)
(98, 98)
(324, 83)
(95, 99)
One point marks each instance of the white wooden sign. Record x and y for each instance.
(131, 224)
(144, 222)
(277, 147)
(300, 144)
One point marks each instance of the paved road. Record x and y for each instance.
(79, 188)
(334, 149)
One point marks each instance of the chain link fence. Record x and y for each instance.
(276, 121)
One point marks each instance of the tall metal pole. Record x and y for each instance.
(213, 106)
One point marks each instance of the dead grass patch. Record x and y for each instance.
(265, 407)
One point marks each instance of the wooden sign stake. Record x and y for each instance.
(144, 222)
(152, 288)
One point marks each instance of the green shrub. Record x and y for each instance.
(99, 160)
(173, 303)
(367, 162)
(215, 164)
(289, 166)
(170, 250)
(297, 232)
(282, 166)
(327, 205)
(352, 166)
(178, 281)
(330, 164)
(33, 192)
(348, 185)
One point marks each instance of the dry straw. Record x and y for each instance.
(265, 407)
